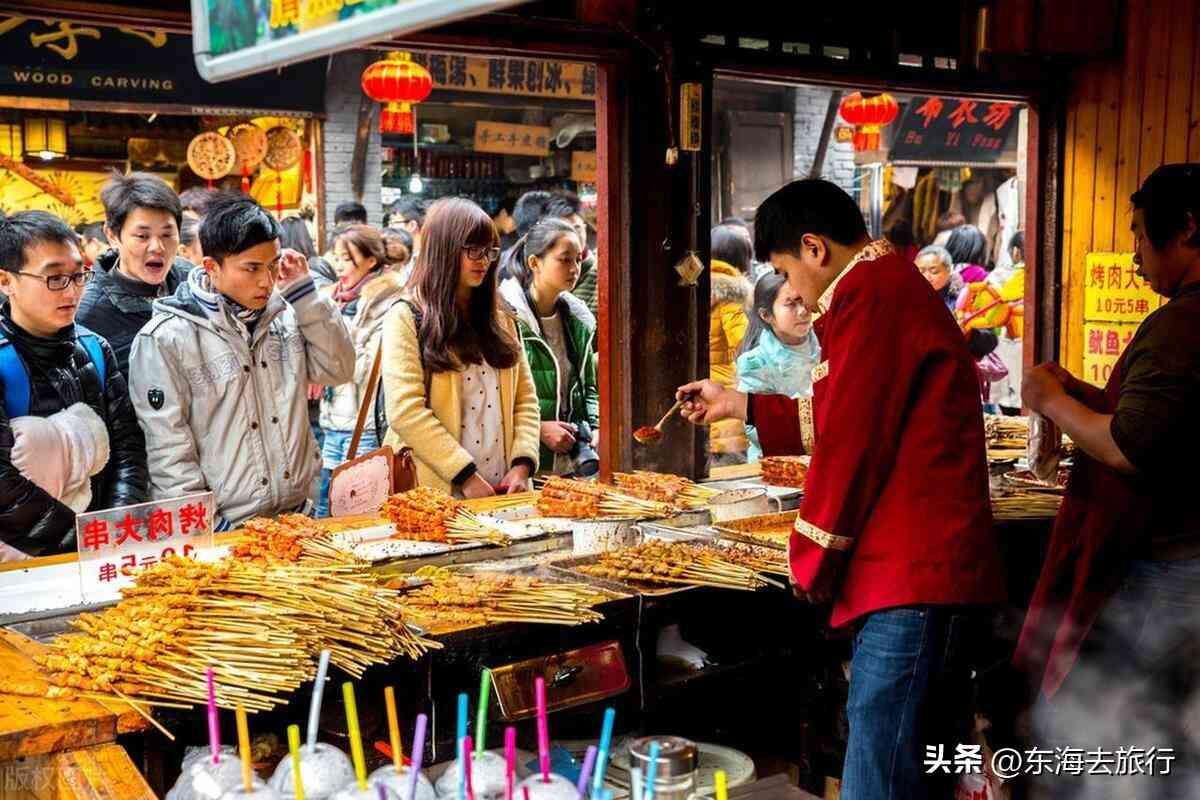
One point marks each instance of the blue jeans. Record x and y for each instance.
(910, 687)
(1134, 685)
(334, 453)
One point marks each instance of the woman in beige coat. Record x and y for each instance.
(457, 387)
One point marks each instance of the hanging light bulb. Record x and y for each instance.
(415, 185)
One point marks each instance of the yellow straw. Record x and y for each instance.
(294, 748)
(389, 697)
(356, 746)
(719, 779)
(243, 729)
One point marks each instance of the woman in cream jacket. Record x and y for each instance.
(457, 386)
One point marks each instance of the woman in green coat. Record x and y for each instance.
(559, 335)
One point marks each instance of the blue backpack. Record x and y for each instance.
(14, 378)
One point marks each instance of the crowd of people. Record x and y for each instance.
(760, 331)
(193, 342)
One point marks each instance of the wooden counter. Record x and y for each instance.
(60, 747)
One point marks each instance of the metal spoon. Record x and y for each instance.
(649, 436)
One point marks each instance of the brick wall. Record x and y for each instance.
(342, 93)
(811, 104)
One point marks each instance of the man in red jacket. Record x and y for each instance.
(896, 524)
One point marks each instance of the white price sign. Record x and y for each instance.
(114, 544)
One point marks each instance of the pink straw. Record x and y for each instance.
(214, 726)
(543, 728)
(525, 789)
(468, 747)
(510, 760)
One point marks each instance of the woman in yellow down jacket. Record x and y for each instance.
(730, 295)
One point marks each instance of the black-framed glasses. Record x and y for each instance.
(476, 253)
(57, 283)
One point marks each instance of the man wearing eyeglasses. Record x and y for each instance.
(69, 440)
(219, 376)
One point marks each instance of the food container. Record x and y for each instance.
(675, 770)
(767, 530)
(738, 503)
(591, 536)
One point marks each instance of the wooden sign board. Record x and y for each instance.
(691, 116)
(843, 134)
(583, 166)
(516, 140)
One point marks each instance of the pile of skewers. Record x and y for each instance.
(428, 515)
(675, 565)
(672, 489)
(767, 560)
(790, 471)
(481, 598)
(572, 499)
(1020, 504)
(259, 626)
(291, 539)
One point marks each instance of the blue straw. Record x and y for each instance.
(462, 736)
(606, 734)
(651, 768)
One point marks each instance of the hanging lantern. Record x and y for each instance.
(45, 137)
(868, 114)
(398, 82)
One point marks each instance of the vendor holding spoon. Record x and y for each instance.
(896, 524)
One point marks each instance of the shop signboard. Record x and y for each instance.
(115, 543)
(77, 61)
(233, 38)
(691, 116)
(956, 130)
(515, 140)
(583, 166)
(528, 77)
(1115, 301)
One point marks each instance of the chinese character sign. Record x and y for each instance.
(1113, 291)
(583, 166)
(115, 543)
(957, 129)
(1103, 343)
(516, 76)
(691, 124)
(500, 137)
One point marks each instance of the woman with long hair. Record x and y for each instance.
(558, 332)
(457, 386)
(780, 348)
(366, 289)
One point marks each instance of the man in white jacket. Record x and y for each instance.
(219, 376)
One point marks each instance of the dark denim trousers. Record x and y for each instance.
(1133, 692)
(910, 687)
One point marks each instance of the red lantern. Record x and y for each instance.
(397, 82)
(868, 115)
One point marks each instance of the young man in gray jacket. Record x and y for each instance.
(219, 376)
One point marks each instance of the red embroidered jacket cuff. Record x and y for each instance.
(777, 418)
(816, 556)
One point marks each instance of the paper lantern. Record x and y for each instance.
(45, 137)
(868, 114)
(398, 82)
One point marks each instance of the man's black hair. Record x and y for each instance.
(25, 228)
(92, 230)
(196, 199)
(124, 193)
(1017, 241)
(294, 235)
(412, 208)
(729, 244)
(233, 224)
(967, 245)
(1166, 199)
(355, 213)
(529, 209)
(809, 206)
(563, 204)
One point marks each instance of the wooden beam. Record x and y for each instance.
(362, 141)
(835, 102)
(613, 265)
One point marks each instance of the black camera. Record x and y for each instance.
(585, 461)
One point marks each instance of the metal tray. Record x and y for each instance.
(743, 530)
